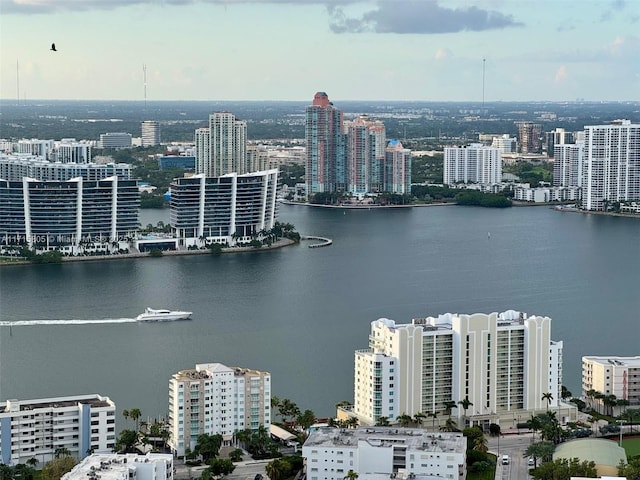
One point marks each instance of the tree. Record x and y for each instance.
(208, 446)
(475, 439)
(404, 420)
(540, 451)
(418, 418)
(135, 415)
(565, 393)
(62, 452)
(548, 397)
(275, 469)
(465, 404)
(351, 475)
(236, 455)
(125, 414)
(433, 416)
(217, 467)
(383, 422)
(563, 469)
(56, 468)
(534, 425)
(275, 404)
(631, 470)
(448, 406)
(494, 429)
(450, 425)
(126, 441)
(306, 419)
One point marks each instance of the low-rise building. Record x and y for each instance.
(619, 376)
(37, 428)
(128, 466)
(330, 453)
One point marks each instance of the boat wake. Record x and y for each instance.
(21, 323)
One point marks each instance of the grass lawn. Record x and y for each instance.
(632, 446)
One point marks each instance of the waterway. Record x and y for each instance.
(300, 312)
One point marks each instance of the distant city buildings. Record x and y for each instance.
(150, 133)
(216, 399)
(475, 163)
(502, 364)
(529, 137)
(568, 165)
(123, 466)
(611, 164)
(227, 209)
(351, 156)
(221, 147)
(505, 143)
(71, 151)
(619, 376)
(37, 428)
(115, 141)
(16, 167)
(384, 452)
(186, 162)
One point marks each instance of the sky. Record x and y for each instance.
(378, 50)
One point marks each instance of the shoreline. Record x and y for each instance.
(363, 207)
(283, 242)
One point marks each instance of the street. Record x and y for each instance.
(514, 446)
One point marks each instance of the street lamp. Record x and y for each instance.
(621, 422)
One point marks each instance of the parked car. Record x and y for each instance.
(531, 462)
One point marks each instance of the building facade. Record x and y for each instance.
(498, 362)
(37, 428)
(221, 147)
(115, 140)
(326, 168)
(125, 466)
(568, 164)
(71, 151)
(619, 376)
(216, 399)
(15, 167)
(68, 216)
(397, 169)
(228, 209)
(612, 164)
(529, 137)
(475, 163)
(150, 133)
(330, 453)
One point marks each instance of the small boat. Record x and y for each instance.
(153, 315)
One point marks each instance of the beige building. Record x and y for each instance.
(502, 364)
(619, 376)
(216, 399)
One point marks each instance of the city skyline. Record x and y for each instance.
(429, 50)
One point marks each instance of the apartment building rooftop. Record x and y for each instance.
(633, 362)
(508, 318)
(113, 466)
(60, 402)
(414, 439)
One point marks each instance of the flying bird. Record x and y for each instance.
(53, 47)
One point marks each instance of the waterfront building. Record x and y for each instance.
(123, 466)
(397, 168)
(326, 165)
(529, 137)
(611, 164)
(228, 209)
(216, 399)
(257, 158)
(37, 428)
(475, 163)
(69, 216)
(221, 147)
(501, 363)
(555, 137)
(115, 140)
(150, 133)
(392, 452)
(525, 193)
(611, 375)
(15, 167)
(71, 151)
(568, 164)
(365, 154)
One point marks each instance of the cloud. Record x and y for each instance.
(561, 75)
(442, 53)
(419, 17)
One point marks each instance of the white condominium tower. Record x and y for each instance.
(619, 376)
(221, 147)
(473, 164)
(612, 164)
(215, 399)
(37, 428)
(502, 364)
(150, 130)
(568, 164)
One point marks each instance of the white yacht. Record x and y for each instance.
(152, 315)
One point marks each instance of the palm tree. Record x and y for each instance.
(383, 422)
(480, 443)
(126, 414)
(535, 424)
(433, 416)
(351, 475)
(275, 469)
(448, 406)
(465, 404)
(404, 420)
(418, 418)
(135, 414)
(450, 425)
(275, 404)
(548, 397)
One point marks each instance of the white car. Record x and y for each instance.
(505, 459)
(531, 462)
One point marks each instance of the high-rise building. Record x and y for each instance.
(365, 154)
(568, 164)
(326, 163)
(612, 164)
(472, 164)
(67, 215)
(221, 147)
(216, 399)
(555, 137)
(530, 137)
(228, 209)
(150, 133)
(505, 143)
(38, 428)
(115, 140)
(384, 452)
(502, 364)
(34, 146)
(397, 168)
(16, 167)
(619, 376)
(71, 151)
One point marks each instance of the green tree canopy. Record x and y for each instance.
(56, 468)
